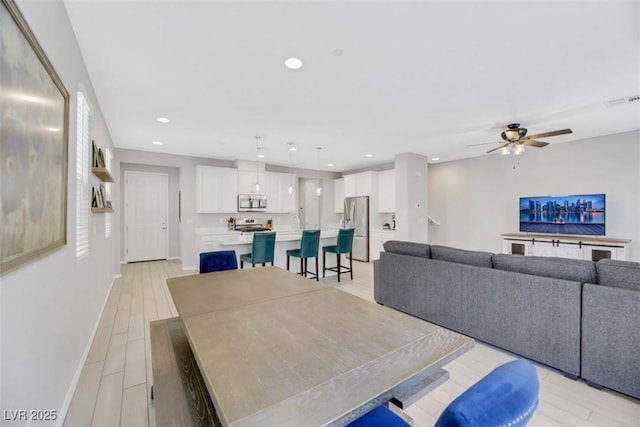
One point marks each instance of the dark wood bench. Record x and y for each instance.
(179, 394)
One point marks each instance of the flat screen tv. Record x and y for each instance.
(577, 214)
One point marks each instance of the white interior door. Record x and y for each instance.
(146, 216)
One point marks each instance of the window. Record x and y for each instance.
(83, 201)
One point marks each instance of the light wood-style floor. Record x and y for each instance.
(115, 383)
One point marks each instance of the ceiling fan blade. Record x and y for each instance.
(481, 143)
(534, 143)
(501, 146)
(552, 133)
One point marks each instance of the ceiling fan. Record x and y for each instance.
(516, 137)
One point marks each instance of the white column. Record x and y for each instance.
(412, 198)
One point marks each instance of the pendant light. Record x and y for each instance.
(291, 150)
(257, 162)
(319, 190)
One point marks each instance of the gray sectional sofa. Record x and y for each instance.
(611, 327)
(577, 316)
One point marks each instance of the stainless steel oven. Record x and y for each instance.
(252, 203)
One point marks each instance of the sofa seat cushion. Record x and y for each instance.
(576, 270)
(476, 258)
(407, 248)
(620, 274)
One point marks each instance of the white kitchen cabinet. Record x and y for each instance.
(338, 195)
(216, 190)
(247, 182)
(387, 191)
(350, 186)
(277, 190)
(577, 247)
(359, 184)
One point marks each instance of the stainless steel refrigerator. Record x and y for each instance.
(356, 215)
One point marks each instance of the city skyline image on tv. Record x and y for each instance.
(575, 214)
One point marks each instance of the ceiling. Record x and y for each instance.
(380, 77)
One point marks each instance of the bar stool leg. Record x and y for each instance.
(338, 255)
(351, 264)
(324, 256)
(317, 269)
(241, 264)
(287, 262)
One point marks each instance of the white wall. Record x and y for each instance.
(50, 306)
(412, 197)
(476, 200)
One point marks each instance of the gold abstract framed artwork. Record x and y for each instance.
(34, 117)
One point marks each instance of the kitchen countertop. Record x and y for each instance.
(281, 236)
(211, 231)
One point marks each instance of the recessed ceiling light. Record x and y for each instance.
(292, 148)
(293, 63)
(162, 120)
(368, 155)
(435, 159)
(260, 156)
(157, 143)
(330, 165)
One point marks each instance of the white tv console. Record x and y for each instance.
(578, 247)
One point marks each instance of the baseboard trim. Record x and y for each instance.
(190, 268)
(76, 378)
(122, 262)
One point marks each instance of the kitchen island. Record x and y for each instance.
(285, 240)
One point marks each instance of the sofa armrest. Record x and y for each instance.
(611, 338)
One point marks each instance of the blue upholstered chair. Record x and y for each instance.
(218, 261)
(262, 250)
(507, 396)
(308, 249)
(342, 246)
(380, 416)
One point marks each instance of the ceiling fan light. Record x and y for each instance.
(505, 151)
(511, 135)
(519, 149)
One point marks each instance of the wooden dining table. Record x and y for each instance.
(276, 349)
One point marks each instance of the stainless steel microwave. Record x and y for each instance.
(252, 203)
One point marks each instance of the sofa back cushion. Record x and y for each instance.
(476, 258)
(620, 274)
(577, 270)
(407, 248)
